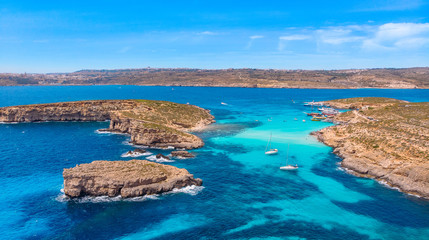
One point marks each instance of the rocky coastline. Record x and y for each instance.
(384, 139)
(127, 179)
(150, 123)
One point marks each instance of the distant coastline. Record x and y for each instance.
(388, 78)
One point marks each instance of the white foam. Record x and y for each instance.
(9, 122)
(159, 160)
(191, 190)
(110, 133)
(382, 182)
(136, 154)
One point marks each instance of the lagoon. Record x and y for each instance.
(245, 195)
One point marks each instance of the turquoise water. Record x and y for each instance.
(245, 195)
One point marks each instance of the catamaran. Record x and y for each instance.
(269, 150)
(288, 166)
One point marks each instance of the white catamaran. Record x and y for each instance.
(269, 150)
(288, 166)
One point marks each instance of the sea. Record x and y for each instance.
(244, 194)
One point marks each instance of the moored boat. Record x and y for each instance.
(318, 118)
(288, 166)
(269, 150)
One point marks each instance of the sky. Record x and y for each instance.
(63, 36)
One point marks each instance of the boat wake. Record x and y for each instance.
(191, 190)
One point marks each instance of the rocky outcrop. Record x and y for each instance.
(182, 154)
(136, 153)
(385, 140)
(150, 123)
(152, 134)
(125, 178)
(162, 156)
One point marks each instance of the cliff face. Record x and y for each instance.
(155, 135)
(125, 178)
(386, 139)
(66, 111)
(151, 123)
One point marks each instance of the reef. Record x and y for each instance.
(382, 138)
(150, 123)
(127, 179)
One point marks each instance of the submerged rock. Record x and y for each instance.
(125, 178)
(138, 150)
(136, 153)
(159, 156)
(182, 154)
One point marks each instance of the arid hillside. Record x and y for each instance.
(269, 78)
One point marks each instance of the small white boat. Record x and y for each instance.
(269, 150)
(272, 151)
(288, 166)
(224, 103)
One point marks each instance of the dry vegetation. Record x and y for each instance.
(270, 78)
(384, 138)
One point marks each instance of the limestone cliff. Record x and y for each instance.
(385, 139)
(150, 123)
(125, 178)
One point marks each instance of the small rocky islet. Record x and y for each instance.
(127, 179)
(156, 124)
(383, 138)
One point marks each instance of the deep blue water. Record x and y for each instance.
(245, 195)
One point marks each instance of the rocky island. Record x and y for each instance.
(127, 179)
(385, 139)
(150, 123)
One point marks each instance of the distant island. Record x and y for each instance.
(251, 78)
(383, 138)
(150, 123)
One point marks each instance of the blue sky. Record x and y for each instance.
(64, 36)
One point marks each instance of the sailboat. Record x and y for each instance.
(288, 166)
(270, 150)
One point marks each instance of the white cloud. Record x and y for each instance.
(295, 37)
(207, 33)
(385, 37)
(340, 35)
(395, 36)
(252, 39)
(256, 37)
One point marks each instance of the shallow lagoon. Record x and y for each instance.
(245, 195)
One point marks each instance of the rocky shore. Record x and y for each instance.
(385, 139)
(132, 178)
(150, 123)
